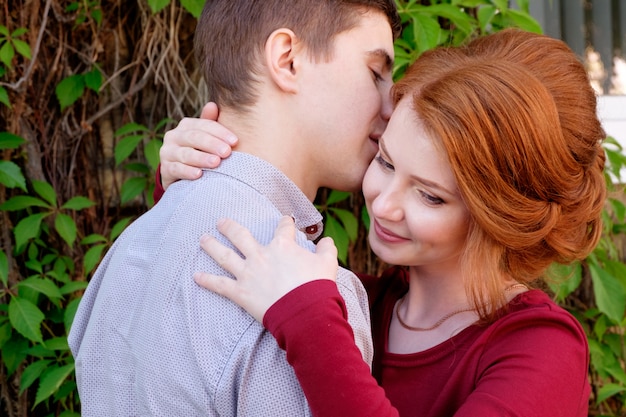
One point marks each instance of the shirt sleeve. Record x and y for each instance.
(310, 324)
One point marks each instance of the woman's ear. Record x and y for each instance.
(282, 58)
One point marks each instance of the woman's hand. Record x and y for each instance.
(267, 272)
(194, 144)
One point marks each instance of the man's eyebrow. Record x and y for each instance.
(383, 55)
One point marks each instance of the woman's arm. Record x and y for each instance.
(282, 285)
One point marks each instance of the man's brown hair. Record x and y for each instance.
(231, 35)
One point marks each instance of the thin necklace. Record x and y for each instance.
(425, 329)
(447, 316)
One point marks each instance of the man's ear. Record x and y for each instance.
(282, 58)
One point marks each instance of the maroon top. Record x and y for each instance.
(533, 361)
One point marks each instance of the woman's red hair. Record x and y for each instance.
(516, 115)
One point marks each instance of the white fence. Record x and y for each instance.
(612, 113)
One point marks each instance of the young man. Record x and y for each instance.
(304, 85)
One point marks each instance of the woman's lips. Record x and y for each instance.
(386, 235)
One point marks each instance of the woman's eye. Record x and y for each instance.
(383, 163)
(431, 199)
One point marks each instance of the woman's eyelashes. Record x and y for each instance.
(384, 163)
(430, 199)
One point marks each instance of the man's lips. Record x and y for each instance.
(386, 235)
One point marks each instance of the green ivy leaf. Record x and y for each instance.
(69, 413)
(66, 227)
(336, 196)
(42, 285)
(566, 278)
(77, 203)
(92, 257)
(130, 128)
(427, 33)
(70, 89)
(45, 191)
(21, 202)
(485, 16)
(22, 48)
(4, 269)
(119, 227)
(26, 318)
(503, 5)
(28, 228)
(19, 32)
(151, 150)
(157, 5)
(32, 372)
(138, 167)
(11, 175)
(5, 331)
(51, 381)
(93, 238)
(10, 141)
(14, 353)
(349, 222)
(97, 16)
(193, 6)
(334, 229)
(6, 54)
(4, 97)
(524, 21)
(93, 80)
(461, 20)
(132, 187)
(72, 287)
(57, 343)
(608, 390)
(126, 146)
(70, 312)
(609, 293)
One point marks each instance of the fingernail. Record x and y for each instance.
(231, 139)
(204, 238)
(223, 150)
(214, 160)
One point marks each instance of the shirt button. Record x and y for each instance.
(311, 230)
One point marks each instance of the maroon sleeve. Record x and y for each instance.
(310, 324)
(158, 187)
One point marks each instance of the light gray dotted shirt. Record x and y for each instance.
(148, 341)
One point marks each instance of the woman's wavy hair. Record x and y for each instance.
(516, 115)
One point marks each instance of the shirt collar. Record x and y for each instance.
(280, 190)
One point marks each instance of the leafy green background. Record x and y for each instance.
(87, 90)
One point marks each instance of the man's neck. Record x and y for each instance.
(267, 135)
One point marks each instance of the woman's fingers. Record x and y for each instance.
(265, 273)
(210, 111)
(223, 255)
(326, 248)
(239, 236)
(286, 229)
(194, 144)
